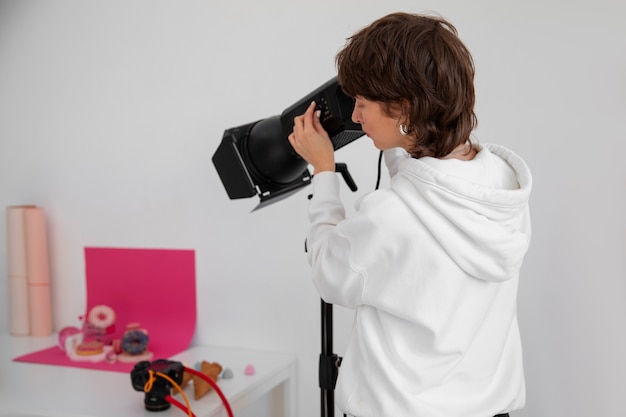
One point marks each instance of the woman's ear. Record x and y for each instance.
(405, 110)
(404, 117)
(399, 110)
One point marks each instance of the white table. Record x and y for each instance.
(33, 390)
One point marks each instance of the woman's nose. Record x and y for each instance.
(356, 116)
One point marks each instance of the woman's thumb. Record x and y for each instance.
(316, 120)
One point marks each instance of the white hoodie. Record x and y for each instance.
(431, 266)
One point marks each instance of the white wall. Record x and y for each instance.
(110, 112)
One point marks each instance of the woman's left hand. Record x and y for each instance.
(311, 141)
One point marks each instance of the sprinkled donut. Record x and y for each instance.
(135, 342)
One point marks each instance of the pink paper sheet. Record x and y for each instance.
(152, 287)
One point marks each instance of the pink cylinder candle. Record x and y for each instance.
(19, 317)
(37, 268)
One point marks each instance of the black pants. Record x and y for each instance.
(498, 415)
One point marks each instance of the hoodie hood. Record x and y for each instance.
(485, 230)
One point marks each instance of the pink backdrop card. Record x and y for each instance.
(152, 287)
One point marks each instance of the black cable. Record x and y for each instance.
(380, 160)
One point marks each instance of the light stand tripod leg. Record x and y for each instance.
(328, 366)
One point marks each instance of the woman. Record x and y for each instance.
(431, 264)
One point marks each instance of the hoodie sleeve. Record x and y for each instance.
(328, 251)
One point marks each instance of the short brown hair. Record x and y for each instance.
(416, 61)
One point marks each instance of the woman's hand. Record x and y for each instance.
(311, 141)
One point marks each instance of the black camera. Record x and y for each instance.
(160, 387)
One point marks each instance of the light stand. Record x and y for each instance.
(329, 363)
(257, 159)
